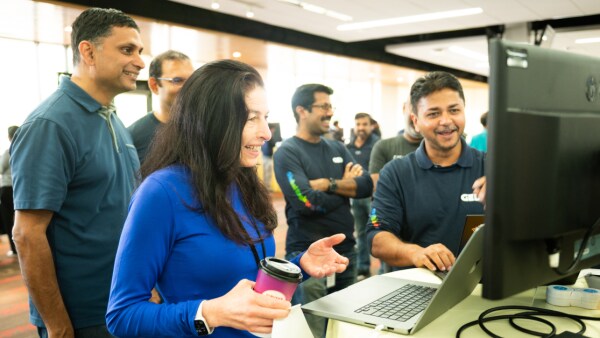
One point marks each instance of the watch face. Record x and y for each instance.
(201, 328)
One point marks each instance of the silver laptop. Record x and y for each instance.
(364, 303)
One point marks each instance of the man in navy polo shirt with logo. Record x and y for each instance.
(422, 199)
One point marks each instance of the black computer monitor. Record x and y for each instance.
(543, 167)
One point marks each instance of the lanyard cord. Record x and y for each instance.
(253, 247)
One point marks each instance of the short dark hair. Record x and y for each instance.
(305, 96)
(94, 24)
(204, 135)
(11, 132)
(155, 69)
(432, 82)
(483, 119)
(362, 116)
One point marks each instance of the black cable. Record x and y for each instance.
(582, 248)
(541, 334)
(530, 314)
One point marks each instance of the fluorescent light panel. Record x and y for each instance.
(410, 19)
(587, 40)
(318, 10)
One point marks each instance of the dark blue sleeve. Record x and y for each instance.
(364, 183)
(387, 209)
(43, 163)
(295, 185)
(296, 260)
(145, 245)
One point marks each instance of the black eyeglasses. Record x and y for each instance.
(324, 106)
(177, 81)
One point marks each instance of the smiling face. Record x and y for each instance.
(256, 130)
(441, 120)
(315, 120)
(117, 60)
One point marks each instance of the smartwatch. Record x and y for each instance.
(332, 185)
(202, 329)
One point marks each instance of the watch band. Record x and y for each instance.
(202, 329)
(332, 185)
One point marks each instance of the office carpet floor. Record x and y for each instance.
(14, 307)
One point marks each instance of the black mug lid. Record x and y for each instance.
(281, 269)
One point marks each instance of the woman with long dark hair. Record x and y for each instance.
(201, 220)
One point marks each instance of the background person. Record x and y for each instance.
(74, 167)
(7, 208)
(479, 141)
(405, 142)
(167, 73)
(362, 143)
(215, 218)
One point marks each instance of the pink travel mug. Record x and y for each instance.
(278, 278)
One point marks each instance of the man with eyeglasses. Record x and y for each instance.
(318, 177)
(167, 74)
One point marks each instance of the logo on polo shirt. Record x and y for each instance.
(469, 198)
(337, 159)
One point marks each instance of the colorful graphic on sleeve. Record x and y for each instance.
(374, 219)
(298, 193)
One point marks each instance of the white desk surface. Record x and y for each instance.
(470, 308)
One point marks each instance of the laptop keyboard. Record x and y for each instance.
(401, 304)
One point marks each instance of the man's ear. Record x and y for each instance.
(87, 52)
(153, 85)
(301, 112)
(413, 118)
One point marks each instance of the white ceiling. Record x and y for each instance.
(495, 12)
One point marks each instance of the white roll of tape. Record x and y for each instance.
(586, 298)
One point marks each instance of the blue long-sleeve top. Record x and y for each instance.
(313, 214)
(180, 251)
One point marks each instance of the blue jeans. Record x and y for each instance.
(99, 331)
(315, 288)
(361, 208)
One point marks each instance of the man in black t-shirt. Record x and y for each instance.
(318, 177)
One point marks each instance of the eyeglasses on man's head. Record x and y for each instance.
(177, 81)
(324, 106)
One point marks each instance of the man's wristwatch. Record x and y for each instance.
(332, 185)
(202, 329)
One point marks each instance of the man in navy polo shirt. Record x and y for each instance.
(422, 199)
(74, 169)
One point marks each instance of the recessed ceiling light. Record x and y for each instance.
(249, 13)
(409, 19)
(236, 54)
(215, 5)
